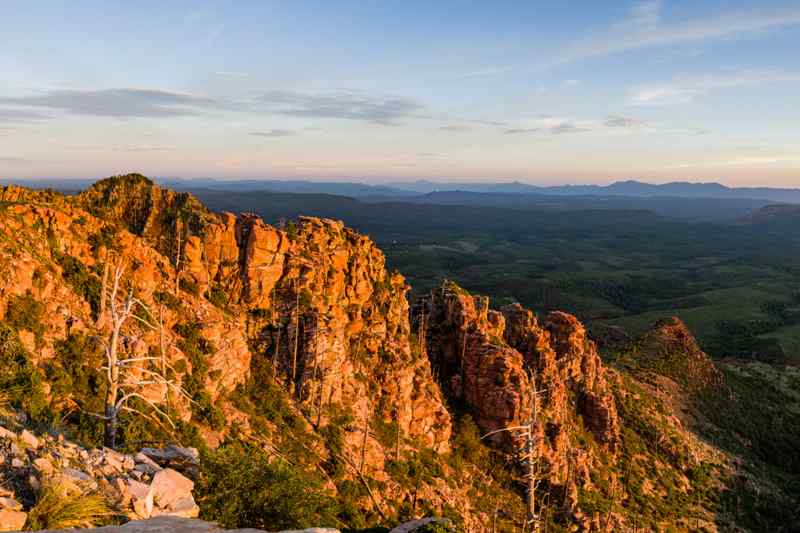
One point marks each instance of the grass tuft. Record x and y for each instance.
(55, 508)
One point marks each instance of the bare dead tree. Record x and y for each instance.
(126, 375)
(103, 290)
(366, 434)
(529, 456)
(177, 255)
(296, 335)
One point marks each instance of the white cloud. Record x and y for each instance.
(618, 121)
(683, 90)
(346, 105)
(118, 103)
(645, 27)
(276, 132)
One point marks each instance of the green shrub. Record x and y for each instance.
(437, 527)
(217, 296)
(189, 286)
(25, 312)
(106, 238)
(197, 348)
(240, 487)
(168, 300)
(467, 444)
(82, 281)
(19, 379)
(74, 375)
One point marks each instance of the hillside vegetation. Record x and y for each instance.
(289, 356)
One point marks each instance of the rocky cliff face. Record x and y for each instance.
(297, 341)
(239, 306)
(316, 297)
(502, 365)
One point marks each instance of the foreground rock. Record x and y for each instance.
(165, 524)
(12, 520)
(136, 485)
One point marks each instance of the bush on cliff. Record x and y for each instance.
(240, 487)
(25, 312)
(20, 383)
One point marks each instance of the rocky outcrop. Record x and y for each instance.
(296, 340)
(312, 301)
(488, 359)
(135, 484)
(180, 525)
(496, 362)
(317, 297)
(670, 349)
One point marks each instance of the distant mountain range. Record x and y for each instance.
(629, 188)
(619, 188)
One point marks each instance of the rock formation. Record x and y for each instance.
(137, 486)
(671, 349)
(486, 360)
(296, 340)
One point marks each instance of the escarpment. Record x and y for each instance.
(316, 297)
(296, 338)
(504, 366)
(296, 345)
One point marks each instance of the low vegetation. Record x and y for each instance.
(57, 508)
(240, 486)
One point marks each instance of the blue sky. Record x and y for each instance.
(543, 92)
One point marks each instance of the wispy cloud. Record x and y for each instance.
(157, 103)
(618, 121)
(341, 105)
(683, 90)
(118, 103)
(645, 27)
(19, 115)
(552, 126)
(548, 125)
(454, 127)
(517, 131)
(141, 148)
(273, 133)
(567, 127)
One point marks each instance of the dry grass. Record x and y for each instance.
(56, 509)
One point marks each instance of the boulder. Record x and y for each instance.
(172, 454)
(12, 520)
(183, 508)
(414, 525)
(29, 439)
(43, 466)
(169, 487)
(142, 497)
(10, 504)
(145, 465)
(7, 434)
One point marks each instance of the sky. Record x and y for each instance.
(381, 91)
